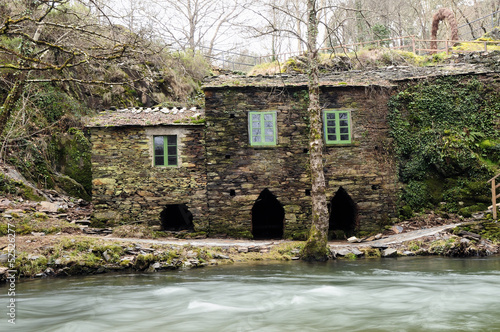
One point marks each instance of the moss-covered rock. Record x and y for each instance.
(73, 159)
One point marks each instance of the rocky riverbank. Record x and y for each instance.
(55, 239)
(39, 256)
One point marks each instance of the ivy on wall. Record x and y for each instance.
(447, 143)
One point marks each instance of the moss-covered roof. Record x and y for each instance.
(146, 117)
(386, 77)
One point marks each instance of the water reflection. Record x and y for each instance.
(410, 294)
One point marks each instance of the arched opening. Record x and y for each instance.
(343, 215)
(176, 217)
(268, 217)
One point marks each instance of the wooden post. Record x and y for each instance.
(494, 195)
(493, 199)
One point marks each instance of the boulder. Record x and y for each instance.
(389, 252)
(48, 207)
(342, 252)
(357, 252)
(107, 257)
(353, 239)
(397, 229)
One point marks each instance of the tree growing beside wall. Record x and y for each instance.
(316, 247)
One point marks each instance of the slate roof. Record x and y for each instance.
(387, 76)
(147, 117)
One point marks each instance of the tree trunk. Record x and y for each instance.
(316, 247)
(10, 101)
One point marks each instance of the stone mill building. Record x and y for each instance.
(240, 166)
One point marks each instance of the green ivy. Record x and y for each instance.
(446, 140)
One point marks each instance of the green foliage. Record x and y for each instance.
(351, 256)
(487, 229)
(381, 32)
(53, 102)
(444, 134)
(142, 261)
(30, 266)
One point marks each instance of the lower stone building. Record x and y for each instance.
(148, 165)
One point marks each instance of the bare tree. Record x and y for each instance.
(316, 248)
(47, 41)
(195, 24)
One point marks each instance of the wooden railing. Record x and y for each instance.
(494, 195)
(406, 43)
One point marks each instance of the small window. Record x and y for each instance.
(262, 128)
(165, 150)
(337, 126)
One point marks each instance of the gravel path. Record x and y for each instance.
(389, 240)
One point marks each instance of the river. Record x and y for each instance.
(403, 294)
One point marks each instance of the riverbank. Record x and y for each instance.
(41, 256)
(55, 238)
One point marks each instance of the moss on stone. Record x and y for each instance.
(73, 159)
(71, 187)
(316, 247)
(371, 252)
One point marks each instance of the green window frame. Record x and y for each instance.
(337, 126)
(262, 129)
(165, 150)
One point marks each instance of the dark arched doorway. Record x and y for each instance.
(268, 217)
(176, 217)
(343, 214)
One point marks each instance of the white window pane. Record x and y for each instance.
(269, 132)
(256, 124)
(256, 139)
(256, 132)
(269, 138)
(255, 117)
(158, 143)
(268, 117)
(268, 124)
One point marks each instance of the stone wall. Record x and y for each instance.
(238, 172)
(128, 188)
(365, 169)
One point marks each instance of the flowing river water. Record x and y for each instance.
(403, 294)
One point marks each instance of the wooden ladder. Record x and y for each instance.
(494, 195)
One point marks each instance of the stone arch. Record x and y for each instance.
(343, 213)
(268, 216)
(176, 217)
(441, 15)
